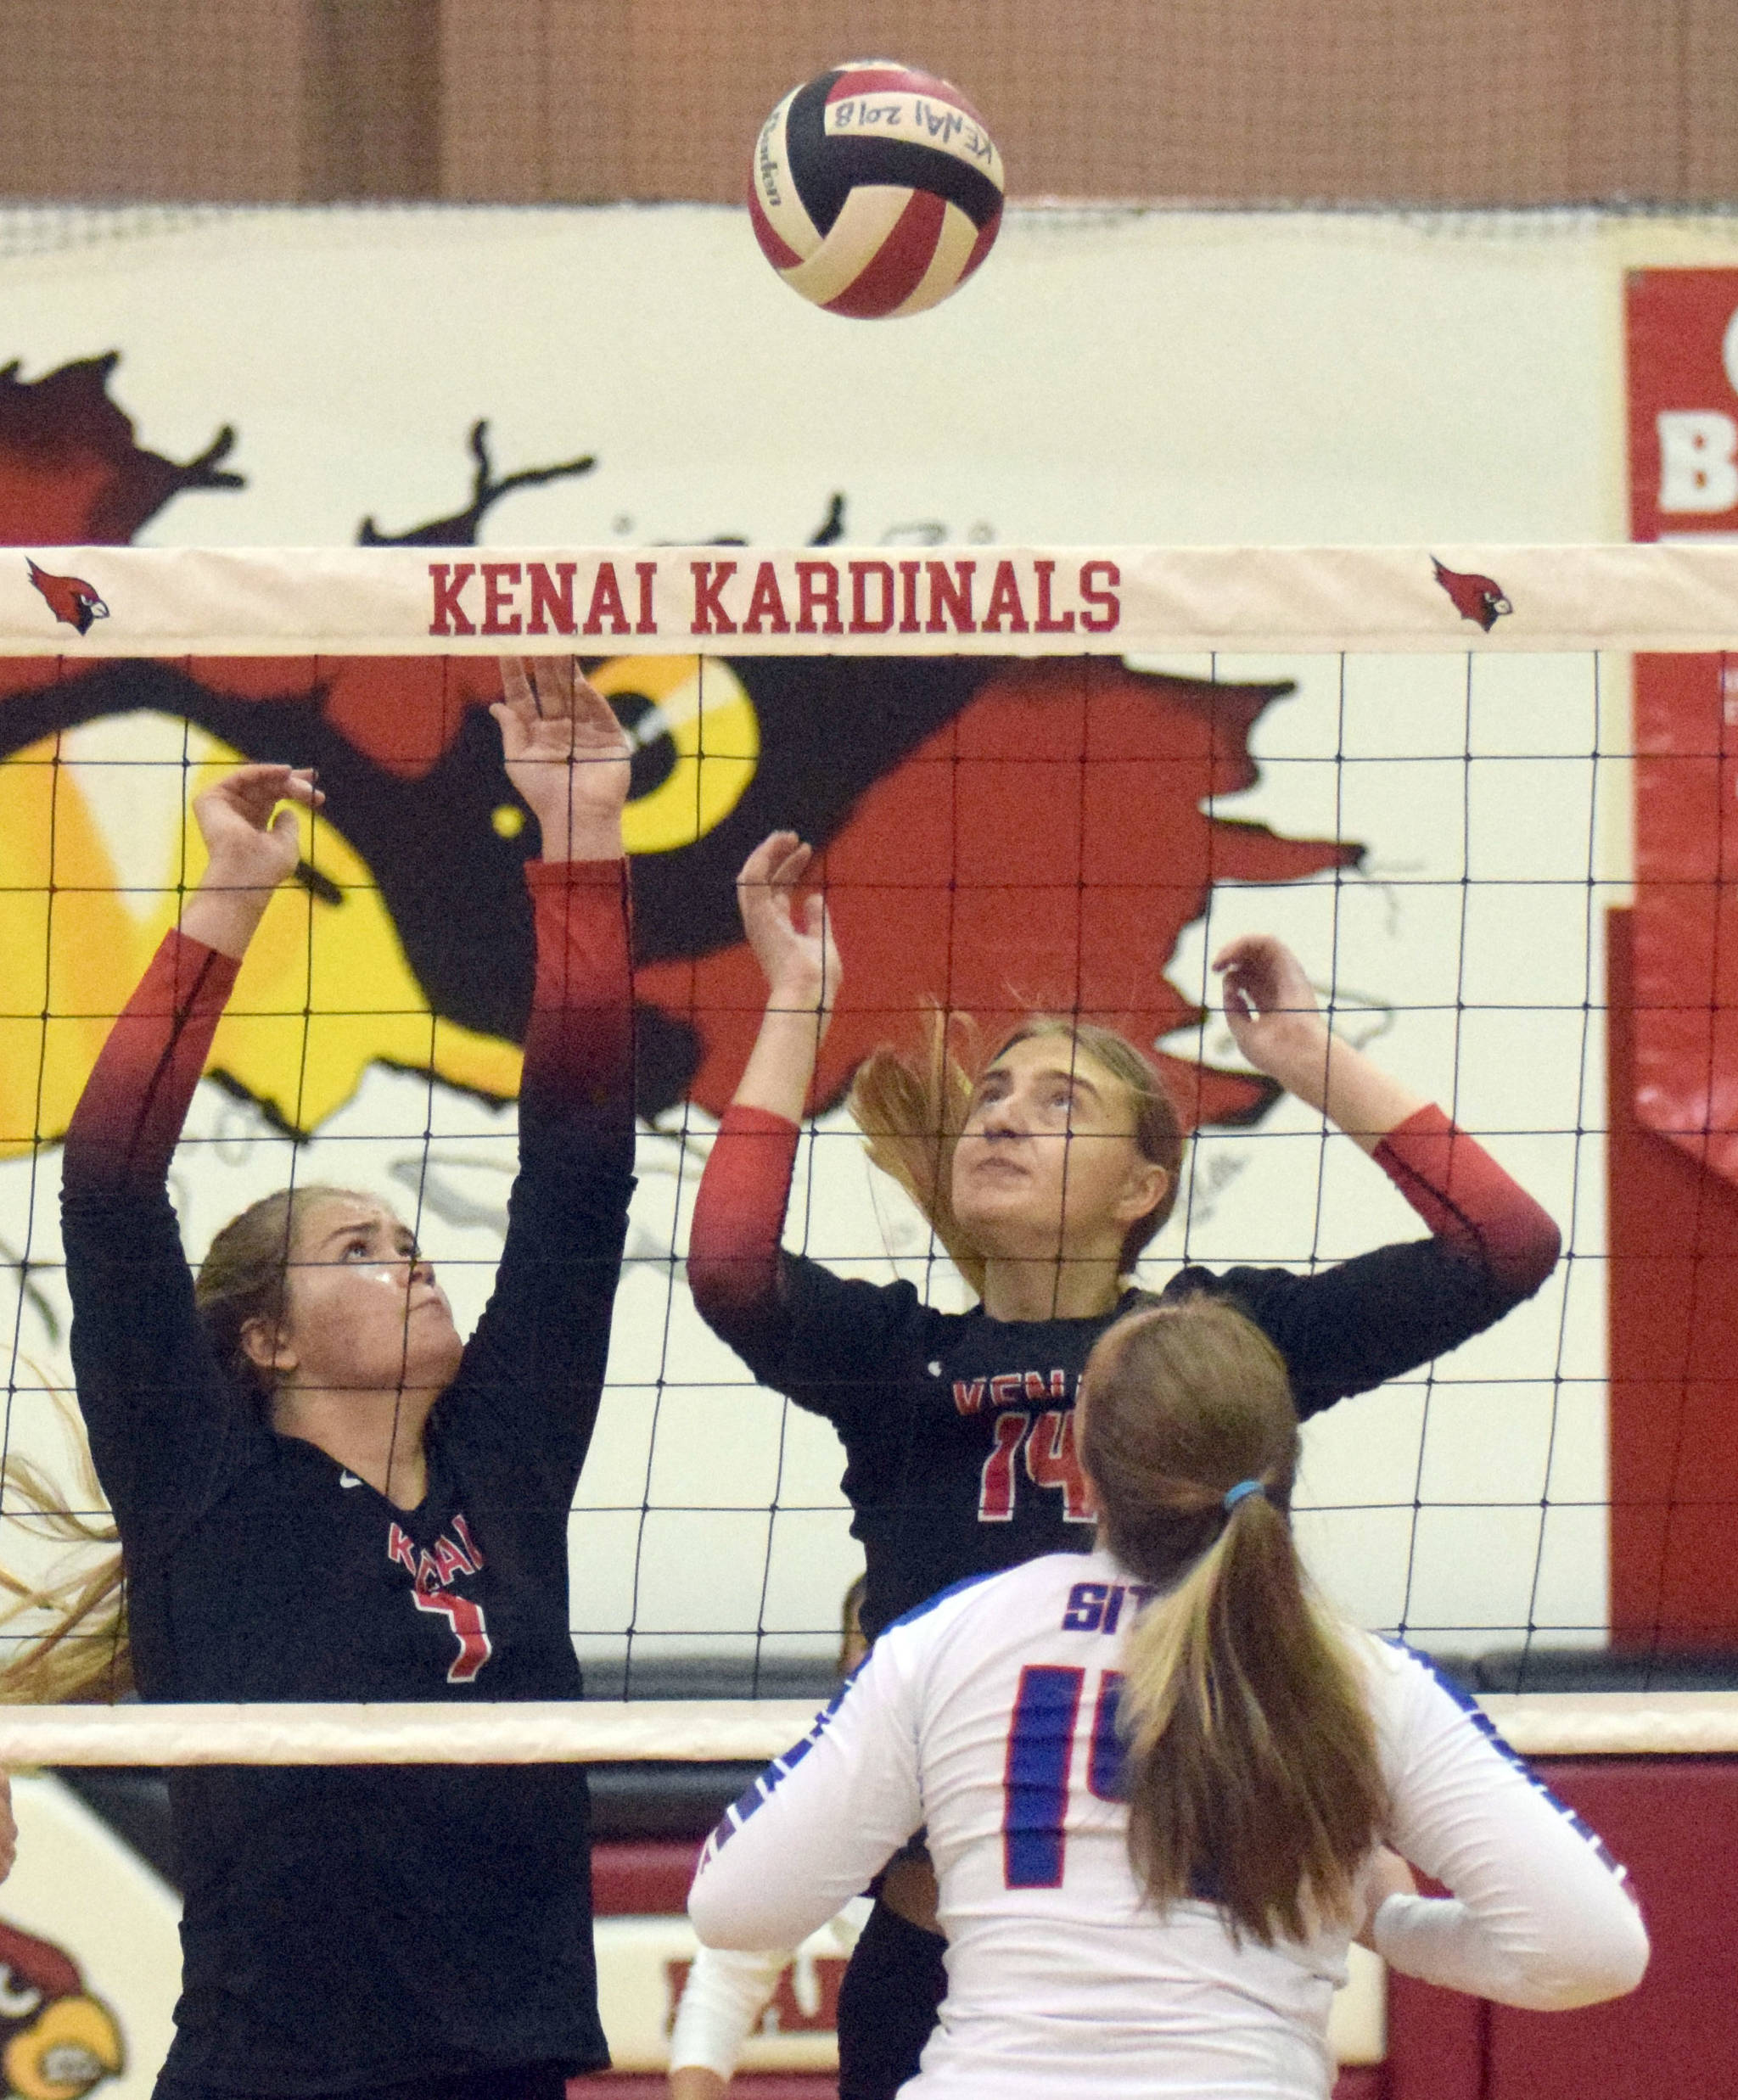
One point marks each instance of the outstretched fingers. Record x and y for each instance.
(766, 888)
(596, 731)
(549, 707)
(252, 834)
(553, 679)
(776, 864)
(1263, 977)
(516, 684)
(792, 939)
(252, 793)
(566, 754)
(539, 688)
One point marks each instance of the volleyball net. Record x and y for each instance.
(1482, 794)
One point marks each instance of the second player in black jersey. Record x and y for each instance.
(1044, 1173)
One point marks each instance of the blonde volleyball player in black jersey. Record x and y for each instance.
(1045, 1173)
(1156, 1781)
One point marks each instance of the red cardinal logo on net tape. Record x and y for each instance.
(71, 600)
(1478, 598)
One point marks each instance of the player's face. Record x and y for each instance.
(363, 1309)
(1047, 1163)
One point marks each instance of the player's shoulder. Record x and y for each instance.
(891, 1315)
(1008, 1601)
(1395, 1661)
(1248, 1286)
(925, 1620)
(1408, 1689)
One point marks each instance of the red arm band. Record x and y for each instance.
(739, 1214)
(136, 1100)
(579, 1041)
(1468, 1201)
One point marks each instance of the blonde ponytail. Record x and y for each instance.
(1251, 1771)
(911, 1106)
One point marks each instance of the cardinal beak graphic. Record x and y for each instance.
(72, 601)
(56, 2040)
(71, 2045)
(1479, 598)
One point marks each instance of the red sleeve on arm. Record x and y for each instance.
(579, 1041)
(136, 1100)
(1468, 1201)
(733, 1249)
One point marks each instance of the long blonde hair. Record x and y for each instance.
(911, 1106)
(1252, 1770)
(86, 1654)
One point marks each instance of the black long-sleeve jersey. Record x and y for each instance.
(958, 1428)
(357, 1925)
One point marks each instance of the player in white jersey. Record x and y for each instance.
(1156, 1782)
(728, 1989)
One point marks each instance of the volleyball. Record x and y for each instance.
(875, 190)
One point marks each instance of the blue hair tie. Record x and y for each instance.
(1235, 1495)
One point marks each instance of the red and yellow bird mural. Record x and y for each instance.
(995, 835)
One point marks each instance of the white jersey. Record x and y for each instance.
(988, 1717)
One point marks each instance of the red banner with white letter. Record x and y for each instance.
(1672, 1000)
(1683, 386)
(1683, 338)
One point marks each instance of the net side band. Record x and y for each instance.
(1565, 1724)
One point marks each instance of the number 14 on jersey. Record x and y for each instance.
(1048, 1439)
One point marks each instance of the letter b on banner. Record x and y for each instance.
(1698, 461)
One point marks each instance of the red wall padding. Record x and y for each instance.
(1673, 1824)
(645, 1879)
(1672, 1240)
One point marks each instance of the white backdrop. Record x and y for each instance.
(1107, 377)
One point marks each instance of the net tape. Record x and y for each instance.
(122, 602)
(1564, 1724)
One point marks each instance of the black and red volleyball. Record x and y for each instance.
(876, 190)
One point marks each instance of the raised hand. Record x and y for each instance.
(1271, 1008)
(250, 850)
(792, 938)
(248, 846)
(566, 754)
